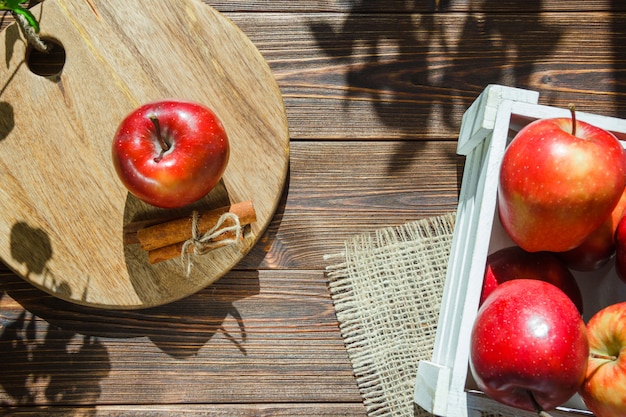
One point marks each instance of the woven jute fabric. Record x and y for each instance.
(387, 287)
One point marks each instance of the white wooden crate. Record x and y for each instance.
(444, 385)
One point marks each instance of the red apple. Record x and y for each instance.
(170, 153)
(559, 180)
(599, 247)
(528, 346)
(604, 388)
(620, 249)
(514, 263)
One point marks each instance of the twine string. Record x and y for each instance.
(227, 225)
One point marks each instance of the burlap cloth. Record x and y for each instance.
(387, 287)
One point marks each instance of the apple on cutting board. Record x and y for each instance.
(170, 153)
(560, 179)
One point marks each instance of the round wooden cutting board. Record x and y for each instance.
(63, 208)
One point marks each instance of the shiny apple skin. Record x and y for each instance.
(604, 389)
(189, 170)
(555, 189)
(514, 263)
(528, 336)
(620, 249)
(599, 247)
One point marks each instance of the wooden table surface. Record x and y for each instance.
(374, 92)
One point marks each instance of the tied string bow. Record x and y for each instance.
(228, 229)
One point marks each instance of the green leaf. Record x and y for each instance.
(14, 6)
(29, 17)
(11, 4)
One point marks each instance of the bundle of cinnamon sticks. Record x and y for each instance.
(164, 239)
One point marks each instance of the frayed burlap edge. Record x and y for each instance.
(387, 287)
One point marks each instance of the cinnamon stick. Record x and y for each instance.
(179, 230)
(174, 251)
(130, 229)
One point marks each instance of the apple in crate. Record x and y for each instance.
(170, 153)
(560, 178)
(514, 262)
(599, 247)
(620, 249)
(604, 388)
(528, 346)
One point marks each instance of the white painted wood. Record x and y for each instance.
(479, 119)
(434, 382)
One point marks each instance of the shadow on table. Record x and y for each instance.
(54, 348)
(420, 68)
(29, 374)
(433, 70)
(180, 328)
(269, 241)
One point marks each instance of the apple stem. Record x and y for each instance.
(572, 109)
(607, 357)
(164, 145)
(536, 406)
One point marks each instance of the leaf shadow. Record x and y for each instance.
(28, 373)
(180, 329)
(417, 79)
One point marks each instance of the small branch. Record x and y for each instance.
(30, 33)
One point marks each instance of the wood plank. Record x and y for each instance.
(192, 410)
(337, 189)
(263, 337)
(412, 76)
(402, 6)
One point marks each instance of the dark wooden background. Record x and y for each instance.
(374, 91)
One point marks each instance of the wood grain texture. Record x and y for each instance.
(219, 410)
(373, 91)
(411, 76)
(416, 6)
(224, 345)
(64, 206)
(337, 189)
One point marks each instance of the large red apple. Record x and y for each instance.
(170, 153)
(528, 346)
(604, 388)
(514, 263)
(559, 180)
(599, 247)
